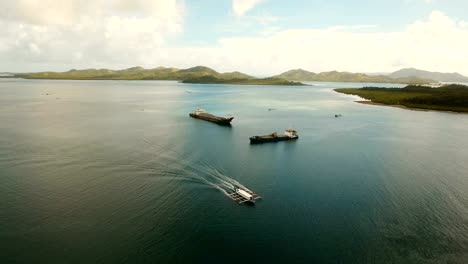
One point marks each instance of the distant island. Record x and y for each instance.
(438, 76)
(335, 76)
(136, 73)
(452, 97)
(241, 81)
(198, 74)
(202, 74)
(6, 75)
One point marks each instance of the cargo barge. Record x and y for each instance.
(202, 114)
(289, 134)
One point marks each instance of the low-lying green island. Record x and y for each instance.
(198, 74)
(452, 97)
(241, 81)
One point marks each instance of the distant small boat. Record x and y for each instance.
(289, 134)
(339, 115)
(202, 114)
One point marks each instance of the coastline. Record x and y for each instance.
(265, 81)
(406, 107)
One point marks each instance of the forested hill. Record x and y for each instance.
(335, 76)
(136, 73)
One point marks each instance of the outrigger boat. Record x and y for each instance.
(244, 196)
(289, 134)
(202, 114)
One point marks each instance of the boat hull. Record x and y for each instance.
(212, 118)
(268, 139)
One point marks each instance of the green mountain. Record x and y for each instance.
(438, 76)
(136, 73)
(335, 76)
(405, 76)
(298, 75)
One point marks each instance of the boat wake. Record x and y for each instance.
(224, 183)
(177, 166)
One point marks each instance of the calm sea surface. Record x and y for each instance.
(116, 171)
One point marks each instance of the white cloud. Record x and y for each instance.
(34, 48)
(50, 12)
(98, 32)
(135, 33)
(436, 43)
(240, 7)
(463, 23)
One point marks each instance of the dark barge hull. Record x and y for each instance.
(214, 119)
(267, 139)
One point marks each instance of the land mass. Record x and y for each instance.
(335, 76)
(7, 75)
(200, 74)
(136, 73)
(452, 97)
(241, 81)
(438, 76)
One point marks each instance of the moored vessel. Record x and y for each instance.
(289, 134)
(202, 114)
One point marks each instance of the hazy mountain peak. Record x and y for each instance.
(336, 76)
(200, 69)
(437, 76)
(297, 71)
(137, 68)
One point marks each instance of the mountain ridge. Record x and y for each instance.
(403, 76)
(437, 76)
(136, 73)
(336, 76)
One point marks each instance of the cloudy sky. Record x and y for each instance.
(260, 37)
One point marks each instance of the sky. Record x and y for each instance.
(258, 37)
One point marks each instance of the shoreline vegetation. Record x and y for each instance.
(398, 106)
(240, 81)
(452, 97)
(202, 74)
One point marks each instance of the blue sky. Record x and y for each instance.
(209, 20)
(259, 37)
